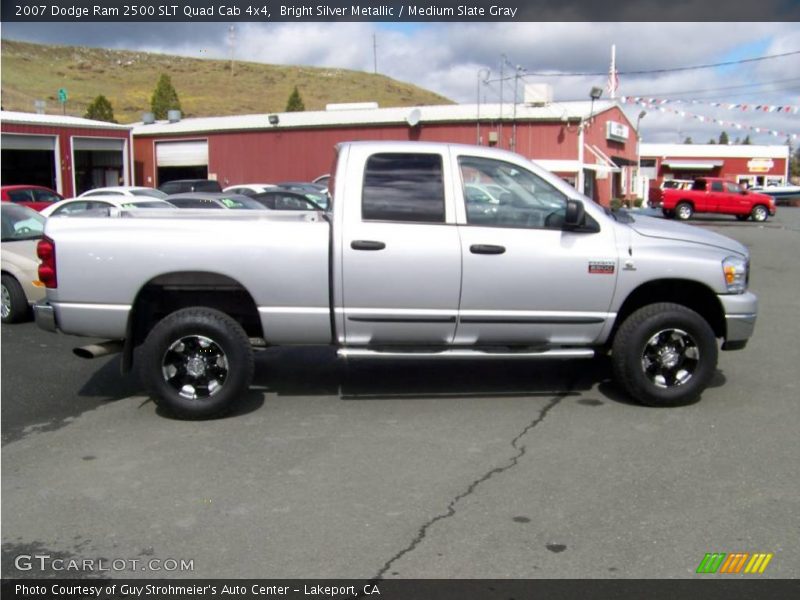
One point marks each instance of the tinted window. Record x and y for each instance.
(20, 196)
(75, 207)
(150, 193)
(102, 193)
(699, 185)
(501, 194)
(46, 196)
(403, 187)
(207, 186)
(716, 186)
(733, 188)
(193, 203)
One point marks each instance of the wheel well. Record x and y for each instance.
(170, 292)
(685, 201)
(690, 294)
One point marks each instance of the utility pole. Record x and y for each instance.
(374, 54)
(502, 85)
(232, 45)
(612, 73)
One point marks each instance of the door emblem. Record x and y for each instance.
(601, 267)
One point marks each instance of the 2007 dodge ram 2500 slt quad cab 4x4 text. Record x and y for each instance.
(428, 251)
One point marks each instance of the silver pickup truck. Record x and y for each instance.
(428, 251)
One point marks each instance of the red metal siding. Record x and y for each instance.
(64, 135)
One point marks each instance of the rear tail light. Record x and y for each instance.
(46, 251)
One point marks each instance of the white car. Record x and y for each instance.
(22, 229)
(72, 206)
(125, 190)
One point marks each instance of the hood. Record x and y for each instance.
(672, 230)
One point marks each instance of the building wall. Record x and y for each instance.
(273, 155)
(63, 145)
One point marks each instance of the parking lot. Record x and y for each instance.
(447, 470)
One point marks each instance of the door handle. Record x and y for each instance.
(367, 245)
(486, 249)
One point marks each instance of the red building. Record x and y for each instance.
(747, 164)
(592, 145)
(67, 154)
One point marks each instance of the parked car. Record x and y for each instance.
(125, 190)
(179, 186)
(285, 200)
(785, 194)
(715, 195)
(313, 191)
(677, 184)
(36, 197)
(249, 189)
(322, 180)
(219, 200)
(81, 204)
(22, 229)
(401, 271)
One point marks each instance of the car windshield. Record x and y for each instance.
(21, 223)
(147, 204)
(149, 193)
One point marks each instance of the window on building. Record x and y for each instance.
(403, 187)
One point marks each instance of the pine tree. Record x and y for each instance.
(688, 140)
(165, 98)
(100, 110)
(746, 141)
(723, 139)
(712, 141)
(295, 103)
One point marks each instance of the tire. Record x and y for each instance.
(759, 213)
(197, 362)
(742, 217)
(15, 307)
(664, 355)
(684, 211)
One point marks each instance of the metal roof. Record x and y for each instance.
(24, 118)
(556, 111)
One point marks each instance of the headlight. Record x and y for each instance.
(736, 271)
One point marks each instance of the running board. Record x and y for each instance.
(465, 353)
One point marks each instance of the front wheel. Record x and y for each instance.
(664, 355)
(684, 211)
(197, 362)
(759, 213)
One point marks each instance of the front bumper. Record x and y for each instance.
(45, 316)
(741, 311)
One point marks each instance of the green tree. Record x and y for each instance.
(723, 139)
(100, 109)
(712, 141)
(295, 103)
(795, 163)
(165, 98)
(688, 140)
(746, 141)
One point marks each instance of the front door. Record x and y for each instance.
(526, 280)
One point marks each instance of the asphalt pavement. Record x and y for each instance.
(412, 470)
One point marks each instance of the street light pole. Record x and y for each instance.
(478, 104)
(639, 179)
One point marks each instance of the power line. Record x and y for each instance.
(670, 70)
(728, 87)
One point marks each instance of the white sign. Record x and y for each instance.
(760, 165)
(616, 131)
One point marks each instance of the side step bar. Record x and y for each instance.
(465, 353)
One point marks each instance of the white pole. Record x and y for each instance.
(612, 75)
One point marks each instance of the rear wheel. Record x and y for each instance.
(664, 355)
(197, 362)
(684, 211)
(759, 213)
(15, 306)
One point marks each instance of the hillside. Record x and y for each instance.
(205, 87)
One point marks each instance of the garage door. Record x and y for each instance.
(182, 154)
(98, 144)
(11, 141)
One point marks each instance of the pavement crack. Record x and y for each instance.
(521, 449)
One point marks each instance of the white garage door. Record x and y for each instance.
(182, 154)
(11, 141)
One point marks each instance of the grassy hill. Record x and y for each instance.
(205, 87)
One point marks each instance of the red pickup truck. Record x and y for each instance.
(714, 195)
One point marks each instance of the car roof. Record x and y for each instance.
(205, 195)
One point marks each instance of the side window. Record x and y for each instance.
(501, 194)
(20, 196)
(699, 185)
(46, 196)
(72, 208)
(716, 186)
(403, 187)
(733, 188)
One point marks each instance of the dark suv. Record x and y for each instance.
(180, 186)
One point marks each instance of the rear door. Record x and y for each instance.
(400, 268)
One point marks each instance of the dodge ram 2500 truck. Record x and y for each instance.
(428, 251)
(714, 195)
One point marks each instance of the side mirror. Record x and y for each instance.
(575, 216)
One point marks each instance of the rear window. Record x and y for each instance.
(403, 187)
(207, 186)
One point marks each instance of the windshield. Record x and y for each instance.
(21, 223)
(147, 204)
